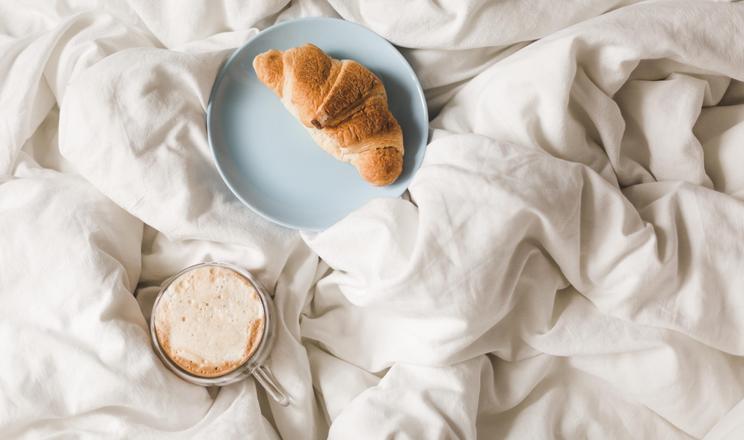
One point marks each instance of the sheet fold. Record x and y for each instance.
(566, 264)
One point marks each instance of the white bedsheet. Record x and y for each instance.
(570, 265)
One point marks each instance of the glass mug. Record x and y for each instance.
(254, 365)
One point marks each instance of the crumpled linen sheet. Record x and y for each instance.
(570, 263)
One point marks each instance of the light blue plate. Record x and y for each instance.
(268, 159)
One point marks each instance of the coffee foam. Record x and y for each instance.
(209, 321)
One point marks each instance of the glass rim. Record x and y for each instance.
(246, 368)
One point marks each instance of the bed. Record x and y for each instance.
(568, 261)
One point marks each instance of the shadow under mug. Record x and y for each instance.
(254, 366)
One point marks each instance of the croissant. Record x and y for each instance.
(342, 104)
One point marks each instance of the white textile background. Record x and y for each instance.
(570, 263)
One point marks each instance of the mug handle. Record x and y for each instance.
(269, 383)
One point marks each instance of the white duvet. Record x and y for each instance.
(570, 263)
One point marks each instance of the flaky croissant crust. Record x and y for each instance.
(342, 104)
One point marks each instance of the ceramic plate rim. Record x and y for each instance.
(421, 98)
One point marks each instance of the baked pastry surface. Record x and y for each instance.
(342, 104)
